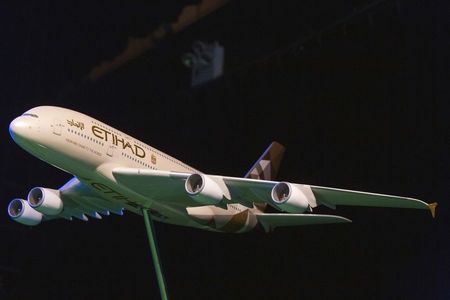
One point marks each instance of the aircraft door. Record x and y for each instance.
(110, 151)
(57, 127)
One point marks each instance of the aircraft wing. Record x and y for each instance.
(169, 187)
(80, 201)
(332, 197)
(163, 185)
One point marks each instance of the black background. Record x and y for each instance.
(360, 100)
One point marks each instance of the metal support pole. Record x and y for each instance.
(153, 247)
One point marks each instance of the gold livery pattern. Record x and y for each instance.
(77, 124)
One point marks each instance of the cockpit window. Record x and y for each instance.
(31, 115)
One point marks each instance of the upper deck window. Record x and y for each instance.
(30, 115)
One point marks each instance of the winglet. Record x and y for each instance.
(432, 207)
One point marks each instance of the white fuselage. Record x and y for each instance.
(90, 150)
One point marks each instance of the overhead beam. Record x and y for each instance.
(138, 46)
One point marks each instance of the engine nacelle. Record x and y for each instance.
(203, 189)
(289, 198)
(46, 201)
(20, 211)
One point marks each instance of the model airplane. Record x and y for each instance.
(115, 172)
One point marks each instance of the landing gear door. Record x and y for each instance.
(57, 127)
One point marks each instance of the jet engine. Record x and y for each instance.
(289, 198)
(46, 201)
(20, 211)
(203, 189)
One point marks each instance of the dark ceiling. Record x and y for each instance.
(356, 90)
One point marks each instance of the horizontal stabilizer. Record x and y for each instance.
(271, 221)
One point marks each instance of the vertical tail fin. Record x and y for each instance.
(267, 166)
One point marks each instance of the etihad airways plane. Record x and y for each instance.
(114, 172)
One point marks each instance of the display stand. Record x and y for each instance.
(155, 255)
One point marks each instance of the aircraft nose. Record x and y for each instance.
(18, 128)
